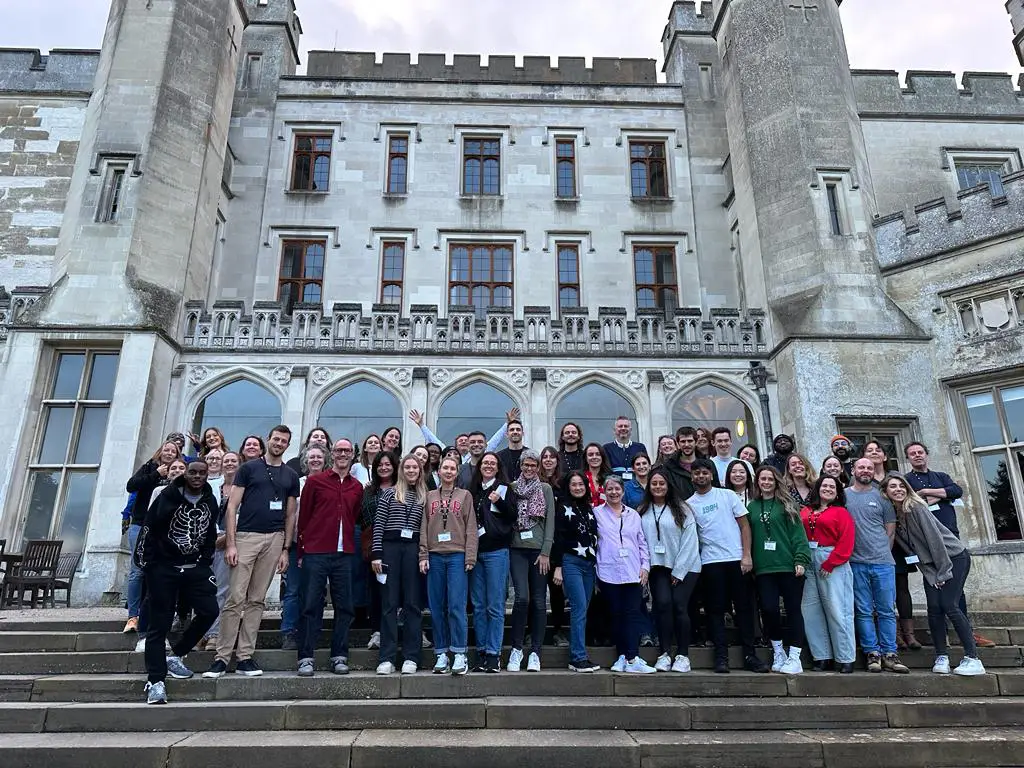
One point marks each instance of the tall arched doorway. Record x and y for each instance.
(239, 408)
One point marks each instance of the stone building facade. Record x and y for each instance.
(193, 234)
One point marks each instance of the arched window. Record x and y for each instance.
(594, 408)
(710, 406)
(477, 407)
(360, 409)
(238, 409)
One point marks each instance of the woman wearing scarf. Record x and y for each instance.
(531, 548)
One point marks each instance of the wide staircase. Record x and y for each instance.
(71, 694)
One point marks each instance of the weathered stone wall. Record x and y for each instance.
(39, 138)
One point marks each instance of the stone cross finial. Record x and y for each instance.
(804, 5)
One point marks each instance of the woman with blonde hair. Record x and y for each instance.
(396, 534)
(944, 563)
(800, 478)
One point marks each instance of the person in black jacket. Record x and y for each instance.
(175, 551)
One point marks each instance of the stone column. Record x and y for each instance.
(660, 418)
(538, 420)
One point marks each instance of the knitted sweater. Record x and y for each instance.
(778, 543)
(449, 525)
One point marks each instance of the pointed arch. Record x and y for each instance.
(592, 402)
(478, 401)
(711, 401)
(238, 403)
(357, 405)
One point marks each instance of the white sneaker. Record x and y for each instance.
(461, 665)
(374, 641)
(515, 660)
(619, 665)
(941, 666)
(664, 663)
(639, 667)
(681, 664)
(140, 647)
(385, 668)
(970, 667)
(792, 666)
(441, 667)
(533, 663)
(409, 667)
(779, 659)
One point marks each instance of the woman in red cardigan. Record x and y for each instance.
(827, 605)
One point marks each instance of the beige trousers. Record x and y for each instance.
(240, 618)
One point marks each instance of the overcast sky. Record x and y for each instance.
(953, 35)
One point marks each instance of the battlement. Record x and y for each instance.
(570, 70)
(949, 224)
(62, 71)
(983, 94)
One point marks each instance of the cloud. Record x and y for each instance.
(881, 34)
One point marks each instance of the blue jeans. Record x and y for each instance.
(317, 571)
(490, 577)
(827, 609)
(578, 578)
(291, 603)
(135, 574)
(874, 595)
(447, 584)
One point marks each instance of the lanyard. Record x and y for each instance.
(766, 520)
(445, 507)
(658, 514)
(273, 483)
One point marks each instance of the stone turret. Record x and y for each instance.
(1016, 10)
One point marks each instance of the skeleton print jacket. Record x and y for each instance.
(177, 532)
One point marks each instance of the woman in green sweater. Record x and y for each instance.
(780, 553)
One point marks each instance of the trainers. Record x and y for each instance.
(874, 662)
(941, 665)
(385, 668)
(891, 663)
(140, 647)
(374, 641)
(176, 668)
(442, 667)
(481, 662)
(754, 664)
(681, 664)
(305, 668)
(533, 663)
(289, 642)
(646, 641)
(586, 666)
(211, 643)
(217, 669)
(425, 641)
(619, 665)
(639, 667)
(970, 666)
(339, 665)
(132, 625)
(249, 668)
(664, 663)
(722, 666)
(560, 640)
(409, 667)
(156, 693)
(461, 664)
(515, 660)
(792, 666)
(493, 664)
(778, 660)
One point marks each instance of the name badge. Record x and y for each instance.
(659, 549)
(627, 476)
(382, 578)
(623, 551)
(480, 532)
(276, 505)
(526, 535)
(769, 546)
(406, 533)
(812, 544)
(444, 536)
(933, 507)
(913, 559)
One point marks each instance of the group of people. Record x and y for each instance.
(599, 528)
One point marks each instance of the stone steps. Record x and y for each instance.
(512, 748)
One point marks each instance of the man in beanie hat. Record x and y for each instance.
(783, 445)
(842, 449)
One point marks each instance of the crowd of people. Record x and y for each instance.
(635, 547)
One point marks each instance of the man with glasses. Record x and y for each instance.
(328, 511)
(842, 449)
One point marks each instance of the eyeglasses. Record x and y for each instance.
(342, 450)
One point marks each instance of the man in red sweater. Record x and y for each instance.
(328, 510)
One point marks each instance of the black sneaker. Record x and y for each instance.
(586, 665)
(493, 664)
(217, 669)
(722, 666)
(249, 668)
(754, 664)
(289, 642)
(481, 662)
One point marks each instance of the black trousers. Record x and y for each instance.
(671, 608)
(403, 590)
(790, 588)
(166, 585)
(725, 584)
(530, 588)
(557, 598)
(626, 619)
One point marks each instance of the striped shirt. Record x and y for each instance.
(396, 521)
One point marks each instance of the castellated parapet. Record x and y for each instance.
(26, 70)
(946, 225)
(468, 68)
(936, 94)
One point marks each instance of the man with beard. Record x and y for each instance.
(842, 449)
(175, 551)
(783, 446)
(569, 446)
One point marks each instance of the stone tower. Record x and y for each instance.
(1016, 10)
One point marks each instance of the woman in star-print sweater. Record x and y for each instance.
(574, 558)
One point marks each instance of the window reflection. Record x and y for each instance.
(475, 407)
(358, 410)
(710, 406)
(239, 409)
(594, 407)
(999, 489)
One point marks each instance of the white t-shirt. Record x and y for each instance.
(722, 465)
(716, 512)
